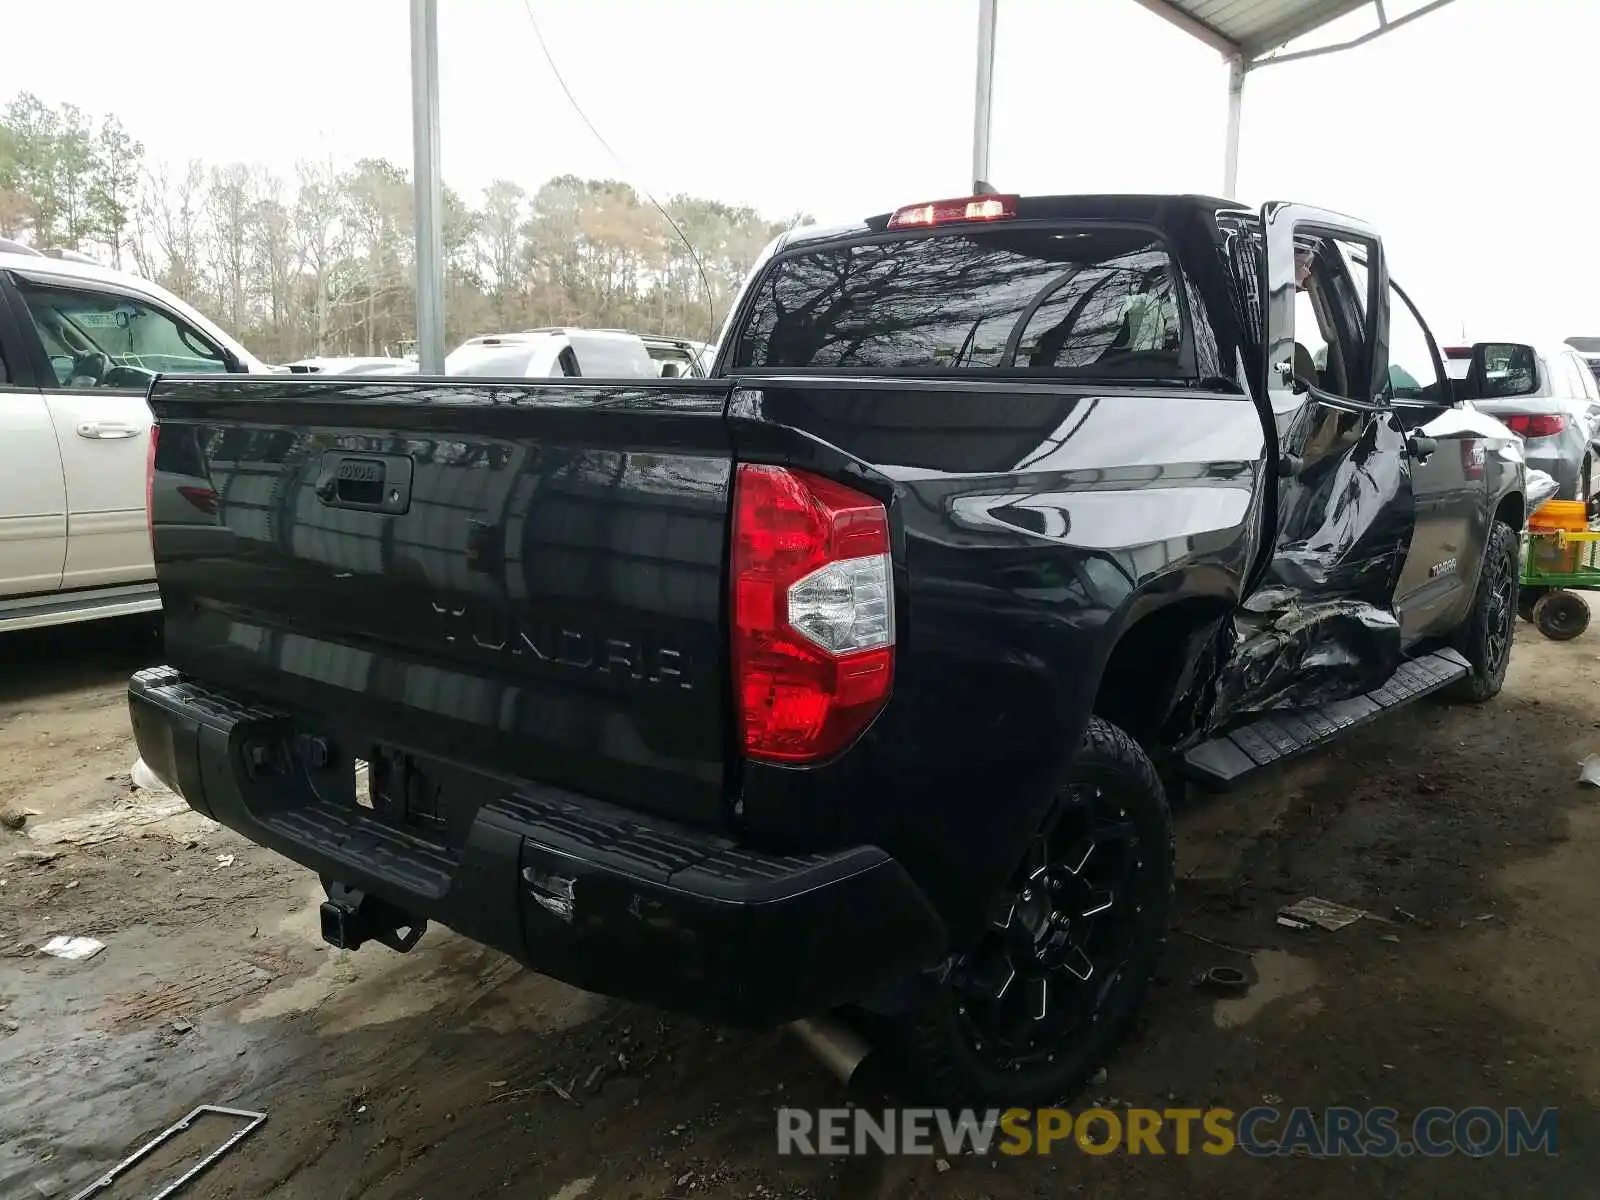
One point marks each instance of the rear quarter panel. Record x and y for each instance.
(1033, 524)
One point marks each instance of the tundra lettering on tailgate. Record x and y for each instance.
(560, 645)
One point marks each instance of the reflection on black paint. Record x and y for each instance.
(1013, 580)
(1099, 304)
(548, 605)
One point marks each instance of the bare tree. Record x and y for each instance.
(172, 205)
(316, 231)
(274, 264)
(113, 194)
(230, 205)
(500, 244)
(325, 263)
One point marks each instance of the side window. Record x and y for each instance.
(1328, 317)
(1575, 373)
(1562, 382)
(1413, 371)
(1592, 365)
(108, 340)
(1585, 377)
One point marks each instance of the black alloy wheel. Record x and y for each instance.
(1062, 938)
(1485, 636)
(1024, 1016)
(1501, 613)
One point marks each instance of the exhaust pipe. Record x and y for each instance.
(839, 1049)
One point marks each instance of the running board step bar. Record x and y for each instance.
(64, 608)
(1224, 761)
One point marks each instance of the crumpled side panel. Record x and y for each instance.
(1320, 625)
(1306, 655)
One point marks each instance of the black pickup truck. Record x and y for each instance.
(861, 672)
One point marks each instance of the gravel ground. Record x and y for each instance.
(450, 1072)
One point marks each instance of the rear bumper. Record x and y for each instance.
(587, 893)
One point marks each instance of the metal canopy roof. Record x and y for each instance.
(1250, 34)
(1247, 31)
(1250, 28)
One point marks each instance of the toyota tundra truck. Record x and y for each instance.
(860, 674)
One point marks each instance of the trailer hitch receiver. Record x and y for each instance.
(351, 918)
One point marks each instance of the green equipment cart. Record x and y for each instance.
(1557, 564)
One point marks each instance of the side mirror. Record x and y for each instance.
(1499, 371)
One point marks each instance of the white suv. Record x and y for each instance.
(78, 345)
(1588, 349)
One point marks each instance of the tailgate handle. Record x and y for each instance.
(369, 482)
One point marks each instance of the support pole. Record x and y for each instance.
(984, 101)
(1238, 66)
(429, 188)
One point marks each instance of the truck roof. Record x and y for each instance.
(1154, 208)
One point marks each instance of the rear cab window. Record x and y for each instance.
(1062, 300)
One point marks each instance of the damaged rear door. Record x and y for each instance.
(1319, 623)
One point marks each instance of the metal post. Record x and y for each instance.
(983, 104)
(429, 188)
(1238, 65)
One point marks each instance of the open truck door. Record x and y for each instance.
(1319, 623)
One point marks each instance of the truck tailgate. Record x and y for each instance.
(524, 576)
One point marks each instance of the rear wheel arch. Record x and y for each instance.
(1512, 509)
(1159, 635)
(1157, 658)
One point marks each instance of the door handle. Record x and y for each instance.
(1421, 447)
(106, 430)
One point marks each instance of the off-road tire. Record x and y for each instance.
(1484, 638)
(933, 1039)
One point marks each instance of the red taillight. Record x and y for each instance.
(1458, 352)
(1535, 426)
(941, 212)
(813, 613)
(203, 498)
(150, 485)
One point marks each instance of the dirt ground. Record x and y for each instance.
(450, 1072)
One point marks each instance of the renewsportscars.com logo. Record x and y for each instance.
(1261, 1132)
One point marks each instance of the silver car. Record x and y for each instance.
(1549, 398)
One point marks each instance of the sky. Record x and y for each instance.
(1461, 136)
